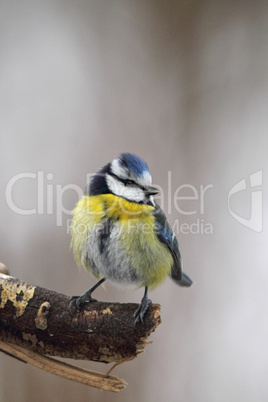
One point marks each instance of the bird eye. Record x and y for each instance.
(129, 182)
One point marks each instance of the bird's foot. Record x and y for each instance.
(78, 302)
(142, 309)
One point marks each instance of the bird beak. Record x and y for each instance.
(150, 190)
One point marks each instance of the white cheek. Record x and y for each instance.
(134, 194)
(130, 193)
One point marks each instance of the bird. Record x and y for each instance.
(120, 234)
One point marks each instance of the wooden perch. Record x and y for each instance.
(38, 322)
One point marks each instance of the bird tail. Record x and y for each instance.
(185, 281)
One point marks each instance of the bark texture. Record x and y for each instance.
(38, 319)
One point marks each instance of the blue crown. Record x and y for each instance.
(134, 163)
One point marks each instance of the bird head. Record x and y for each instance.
(127, 176)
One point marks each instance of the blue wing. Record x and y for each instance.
(167, 237)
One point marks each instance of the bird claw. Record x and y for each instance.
(78, 302)
(141, 310)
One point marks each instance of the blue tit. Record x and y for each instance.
(119, 233)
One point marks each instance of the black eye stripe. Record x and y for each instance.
(127, 182)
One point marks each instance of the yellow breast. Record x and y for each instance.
(147, 254)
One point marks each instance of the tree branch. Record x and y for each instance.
(87, 377)
(37, 320)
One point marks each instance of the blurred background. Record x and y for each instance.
(183, 84)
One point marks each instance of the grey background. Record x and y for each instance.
(183, 84)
